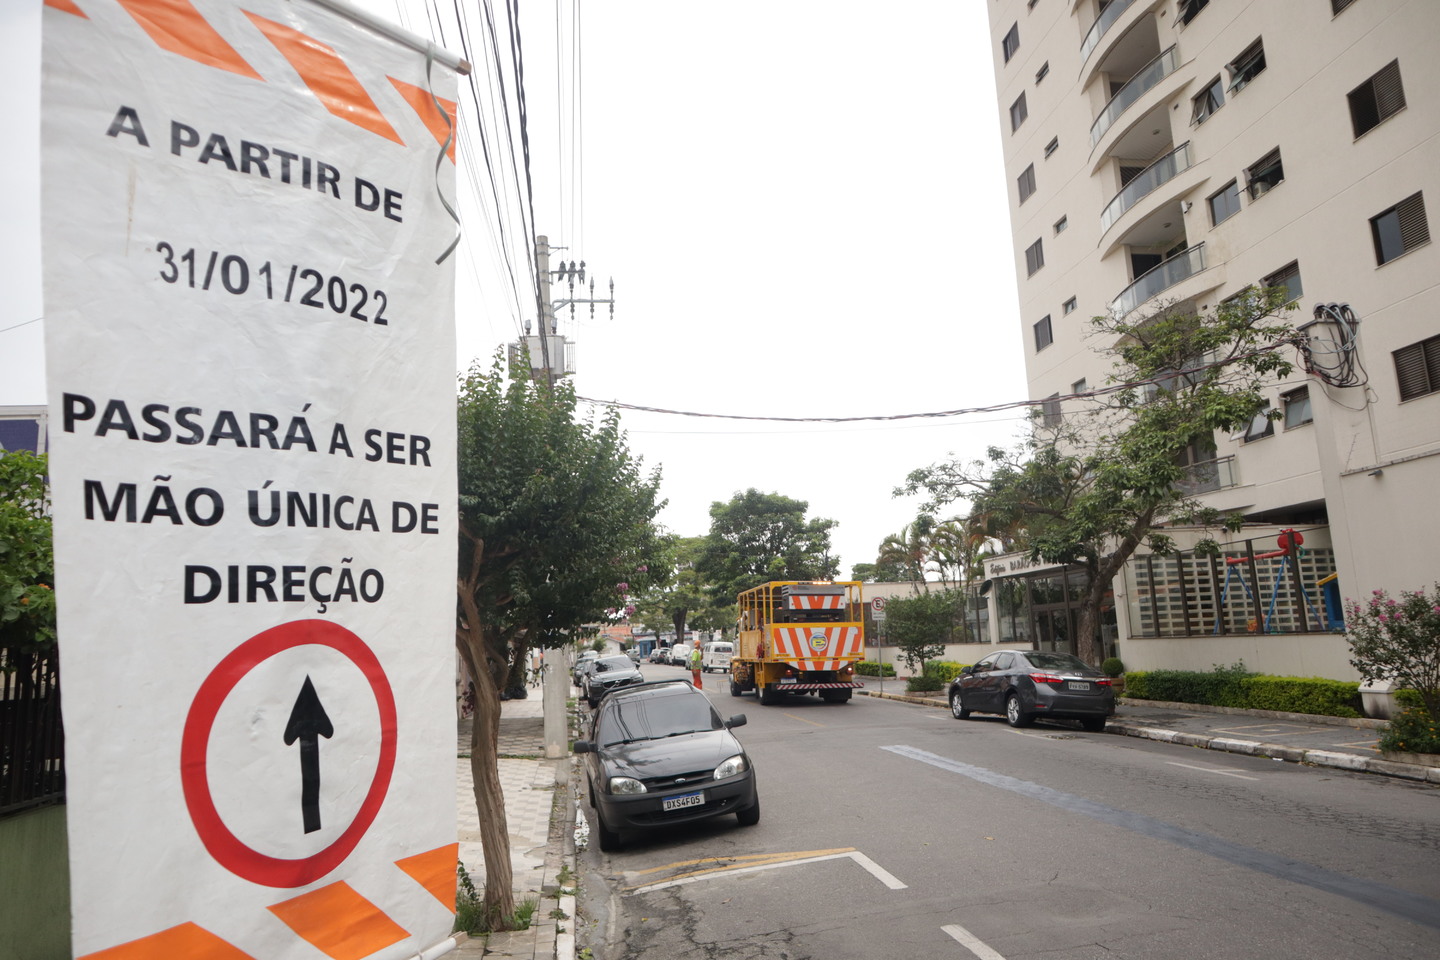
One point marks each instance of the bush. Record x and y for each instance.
(868, 668)
(1398, 640)
(1234, 687)
(1414, 731)
(942, 670)
(924, 684)
(1112, 667)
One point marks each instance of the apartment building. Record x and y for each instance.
(1176, 151)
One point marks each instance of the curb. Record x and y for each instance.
(1251, 748)
(1362, 723)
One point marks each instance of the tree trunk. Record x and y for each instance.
(498, 903)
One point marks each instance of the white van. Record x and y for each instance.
(680, 655)
(716, 656)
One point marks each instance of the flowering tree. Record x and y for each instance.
(1398, 640)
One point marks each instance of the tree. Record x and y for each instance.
(1398, 640)
(27, 561)
(678, 593)
(555, 524)
(757, 537)
(922, 625)
(1091, 490)
(909, 552)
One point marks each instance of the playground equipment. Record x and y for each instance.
(1289, 543)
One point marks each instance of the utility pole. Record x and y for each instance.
(549, 354)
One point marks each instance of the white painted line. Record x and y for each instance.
(870, 865)
(876, 870)
(971, 942)
(1223, 773)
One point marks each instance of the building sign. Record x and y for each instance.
(250, 343)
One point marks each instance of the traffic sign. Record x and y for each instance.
(877, 608)
(307, 721)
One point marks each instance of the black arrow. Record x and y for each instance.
(307, 723)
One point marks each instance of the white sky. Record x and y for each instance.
(802, 204)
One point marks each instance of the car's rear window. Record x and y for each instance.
(1056, 661)
(649, 718)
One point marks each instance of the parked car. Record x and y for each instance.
(659, 754)
(680, 654)
(607, 674)
(577, 672)
(659, 654)
(716, 656)
(1025, 684)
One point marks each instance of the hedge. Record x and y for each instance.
(1252, 691)
(869, 668)
(942, 670)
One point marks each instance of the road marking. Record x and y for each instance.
(1414, 907)
(802, 719)
(1223, 773)
(971, 942)
(777, 860)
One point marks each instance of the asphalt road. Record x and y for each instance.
(891, 831)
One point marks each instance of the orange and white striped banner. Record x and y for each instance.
(250, 359)
(815, 647)
(816, 601)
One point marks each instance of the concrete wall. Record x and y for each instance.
(35, 886)
(1286, 655)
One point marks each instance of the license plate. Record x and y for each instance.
(685, 800)
(1076, 685)
(787, 679)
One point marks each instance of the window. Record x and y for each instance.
(1026, 182)
(1052, 146)
(1043, 334)
(1400, 229)
(1061, 224)
(1050, 414)
(1207, 101)
(1247, 66)
(1079, 387)
(1042, 72)
(1034, 258)
(1377, 99)
(1288, 277)
(1069, 306)
(1011, 43)
(1018, 113)
(1261, 426)
(1417, 368)
(1337, 5)
(1225, 203)
(1297, 407)
(1262, 176)
(1190, 8)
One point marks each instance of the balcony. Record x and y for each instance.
(1140, 84)
(1146, 182)
(1208, 475)
(1158, 279)
(1108, 16)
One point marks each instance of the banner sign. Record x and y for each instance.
(251, 368)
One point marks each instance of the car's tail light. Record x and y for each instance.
(1103, 682)
(1046, 678)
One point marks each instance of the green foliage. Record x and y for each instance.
(27, 563)
(1398, 640)
(757, 537)
(555, 514)
(1414, 731)
(922, 625)
(470, 909)
(1103, 482)
(943, 670)
(1235, 687)
(923, 683)
(869, 668)
(1112, 667)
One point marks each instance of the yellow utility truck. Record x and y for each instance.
(799, 636)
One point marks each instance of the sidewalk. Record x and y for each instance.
(540, 815)
(1337, 742)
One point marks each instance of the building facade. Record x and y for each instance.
(1177, 151)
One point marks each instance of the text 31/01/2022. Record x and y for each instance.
(305, 286)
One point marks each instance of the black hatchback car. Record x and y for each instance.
(1026, 684)
(607, 674)
(659, 754)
